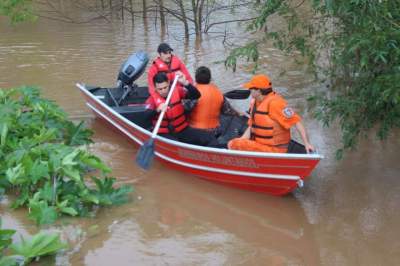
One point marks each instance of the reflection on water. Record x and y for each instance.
(185, 221)
(347, 213)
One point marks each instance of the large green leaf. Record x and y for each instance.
(73, 173)
(87, 196)
(41, 212)
(45, 135)
(16, 175)
(9, 261)
(16, 155)
(95, 162)
(4, 132)
(108, 195)
(69, 159)
(5, 238)
(77, 134)
(63, 207)
(40, 244)
(39, 170)
(23, 197)
(46, 192)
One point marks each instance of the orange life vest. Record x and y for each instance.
(264, 129)
(205, 114)
(174, 117)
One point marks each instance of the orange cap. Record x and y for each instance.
(258, 82)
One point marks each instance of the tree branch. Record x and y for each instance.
(226, 22)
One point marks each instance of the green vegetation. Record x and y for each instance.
(39, 245)
(5, 238)
(17, 10)
(22, 253)
(360, 39)
(45, 160)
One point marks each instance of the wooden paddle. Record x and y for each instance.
(145, 156)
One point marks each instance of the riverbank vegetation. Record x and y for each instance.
(358, 43)
(46, 163)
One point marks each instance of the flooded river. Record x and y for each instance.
(347, 213)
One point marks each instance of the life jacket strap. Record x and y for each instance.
(261, 137)
(261, 127)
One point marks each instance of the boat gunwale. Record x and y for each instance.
(198, 166)
(313, 156)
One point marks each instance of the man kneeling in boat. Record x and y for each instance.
(175, 123)
(270, 121)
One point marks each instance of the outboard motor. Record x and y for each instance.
(130, 71)
(132, 68)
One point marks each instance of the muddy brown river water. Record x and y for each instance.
(348, 213)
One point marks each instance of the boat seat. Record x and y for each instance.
(136, 95)
(295, 147)
(112, 96)
(135, 114)
(231, 127)
(98, 92)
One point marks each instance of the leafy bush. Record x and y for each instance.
(45, 161)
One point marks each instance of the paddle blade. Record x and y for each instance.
(237, 94)
(145, 156)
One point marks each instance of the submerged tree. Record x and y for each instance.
(361, 41)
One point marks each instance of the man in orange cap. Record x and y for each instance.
(270, 121)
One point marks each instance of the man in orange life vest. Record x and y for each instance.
(175, 123)
(270, 121)
(205, 115)
(168, 63)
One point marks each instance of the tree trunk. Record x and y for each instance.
(144, 9)
(184, 19)
(197, 7)
(122, 9)
(132, 12)
(162, 15)
(200, 15)
(195, 16)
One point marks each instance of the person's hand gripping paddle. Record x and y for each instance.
(145, 155)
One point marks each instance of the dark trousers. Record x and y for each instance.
(195, 136)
